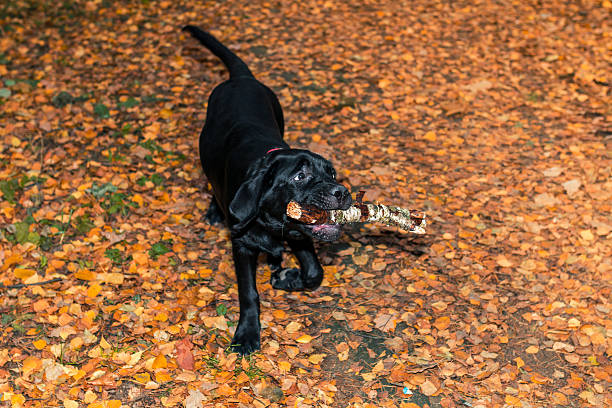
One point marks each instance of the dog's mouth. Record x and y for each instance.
(325, 232)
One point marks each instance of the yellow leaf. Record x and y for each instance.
(165, 113)
(430, 136)
(503, 261)
(15, 142)
(160, 362)
(84, 274)
(513, 401)
(242, 378)
(161, 317)
(30, 365)
(162, 377)
(142, 378)
(11, 260)
(368, 376)
(587, 235)
(205, 272)
(76, 343)
(316, 358)
(532, 349)
(113, 404)
(93, 290)
(380, 366)
(111, 277)
(89, 397)
(39, 344)
(17, 400)
(519, 362)
(305, 338)
(24, 273)
(79, 374)
(293, 327)
(442, 323)
(141, 258)
(225, 390)
(137, 198)
(104, 344)
(70, 404)
(284, 366)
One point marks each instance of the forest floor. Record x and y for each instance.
(494, 117)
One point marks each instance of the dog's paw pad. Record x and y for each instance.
(287, 279)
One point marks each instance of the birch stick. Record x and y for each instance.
(409, 220)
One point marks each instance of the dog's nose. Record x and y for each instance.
(342, 195)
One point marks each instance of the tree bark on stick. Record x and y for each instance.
(409, 220)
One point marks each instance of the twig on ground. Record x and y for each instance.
(23, 285)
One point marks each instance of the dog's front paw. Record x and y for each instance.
(289, 279)
(246, 340)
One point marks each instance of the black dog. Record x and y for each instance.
(254, 175)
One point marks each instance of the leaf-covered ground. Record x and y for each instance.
(493, 116)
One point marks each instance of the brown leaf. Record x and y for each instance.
(184, 354)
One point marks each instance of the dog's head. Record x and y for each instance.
(283, 176)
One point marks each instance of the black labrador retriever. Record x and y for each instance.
(254, 174)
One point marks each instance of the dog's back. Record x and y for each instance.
(241, 112)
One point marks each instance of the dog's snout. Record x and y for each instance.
(343, 196)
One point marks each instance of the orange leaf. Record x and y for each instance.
(141, 258)
(225, 390)
(503, 261)
(162, 377)
(428, 388)
(305, 338)
(84, 274)
(30, 365)
(24, 273)
(39, 344)
(93, 290)
(442, 323)
(160, 362)
(142, 378)
(284, 366)
(430, 136)
(519, 362)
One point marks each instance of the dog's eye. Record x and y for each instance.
(300, 176)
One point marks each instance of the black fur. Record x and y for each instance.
(254, 175)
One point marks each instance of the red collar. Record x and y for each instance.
(274, 149)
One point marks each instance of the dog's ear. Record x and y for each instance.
(245, 204)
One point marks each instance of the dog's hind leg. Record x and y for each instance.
(214, 215)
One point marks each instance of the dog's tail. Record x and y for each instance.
(234, 64)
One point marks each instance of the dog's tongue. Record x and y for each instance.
(324, 227)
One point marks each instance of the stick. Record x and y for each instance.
(410, 220)
(23, 285)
